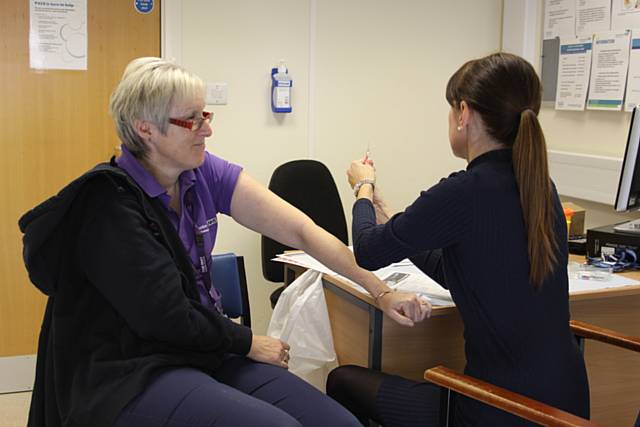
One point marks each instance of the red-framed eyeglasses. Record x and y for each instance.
(195, 124)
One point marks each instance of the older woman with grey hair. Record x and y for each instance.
(133, 332)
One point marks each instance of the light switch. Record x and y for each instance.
(216, 94)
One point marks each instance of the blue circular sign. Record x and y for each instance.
(143, 6)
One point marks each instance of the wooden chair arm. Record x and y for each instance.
(505, 400)
(608, 336)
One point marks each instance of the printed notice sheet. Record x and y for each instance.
(609, 70)
(625, 15)
(58, 34)
(574, 65)
(632, 97)
(592, 16)
(559, 18)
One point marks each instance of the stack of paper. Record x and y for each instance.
(403, 276)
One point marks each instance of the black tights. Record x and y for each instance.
(356, 388)
(386, 399)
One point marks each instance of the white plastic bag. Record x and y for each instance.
(301, 319)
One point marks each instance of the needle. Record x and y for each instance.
(366, 155)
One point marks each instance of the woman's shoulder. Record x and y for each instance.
(457, 176)
(216, 168)
(212, 160)
(448, 192)
(458, 180)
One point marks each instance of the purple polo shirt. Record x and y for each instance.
(211, 186)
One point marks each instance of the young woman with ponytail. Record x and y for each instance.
(497, 234)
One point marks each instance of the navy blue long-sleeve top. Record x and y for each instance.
(515, 336)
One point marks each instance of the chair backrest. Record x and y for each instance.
(309, 186)
(228, 276)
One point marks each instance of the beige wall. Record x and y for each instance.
(365, 72)
(592, 132)
(238, 43)
(599, 133)
(382, 71)
(602, 133)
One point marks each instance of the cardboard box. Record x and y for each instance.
(577, 220)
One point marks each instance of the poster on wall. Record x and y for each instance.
(609, 70)
(574, 65)
(592, 16)
(58, 34)
(559, 18)
(632, 97)
(625, 15)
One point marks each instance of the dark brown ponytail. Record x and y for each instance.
(532, 175)
(506, 91)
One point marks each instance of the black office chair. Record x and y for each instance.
(309, 186)
(228, 276)
(518, 404)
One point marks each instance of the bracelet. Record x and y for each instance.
(362, 182)
(383, 293)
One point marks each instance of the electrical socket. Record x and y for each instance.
(216, 94)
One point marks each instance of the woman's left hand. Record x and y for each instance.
(383, 213)
(270, 350)
(359, 170)
(405, 308)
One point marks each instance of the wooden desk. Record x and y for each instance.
(364, 336)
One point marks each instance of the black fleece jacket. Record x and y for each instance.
(123, 303)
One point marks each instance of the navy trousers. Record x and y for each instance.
(240, 393)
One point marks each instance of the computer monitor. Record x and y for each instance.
(628, 195)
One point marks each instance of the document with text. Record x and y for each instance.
(405, 276)
(632, 97)
(58, 35)
(559, 18)
(592, 16)
(625, 15)
(402, 276)
(574, 67)
(609, 70)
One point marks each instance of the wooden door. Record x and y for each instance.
(54, 125)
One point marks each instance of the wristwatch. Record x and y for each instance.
(362, 182)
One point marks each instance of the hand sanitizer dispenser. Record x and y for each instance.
(281, 85)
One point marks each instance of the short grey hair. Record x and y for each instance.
(148, 89)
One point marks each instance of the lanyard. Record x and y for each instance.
(203, 260)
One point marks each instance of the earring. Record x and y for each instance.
(459, 128)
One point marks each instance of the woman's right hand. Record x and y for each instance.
(359, 170)
(269, 350)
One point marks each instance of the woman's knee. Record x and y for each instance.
(336, 379)
(344, 378)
